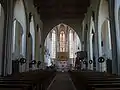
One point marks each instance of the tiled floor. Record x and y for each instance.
(62, 81)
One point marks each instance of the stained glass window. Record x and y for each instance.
(14, 26)
(0, 9)
(62, 41)
(71, 44)
(53, 44)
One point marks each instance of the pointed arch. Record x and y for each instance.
(103, 30)
(106, 38)
(102, 16)
(17, 40)
(65, 40)
(20, 16)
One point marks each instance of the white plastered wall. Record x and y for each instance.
(92, 31)
(87, 21)
(106, 38)
(38, 50)
(103, 15)
(38, 47)
(30, 8)
(94, 4)
(17, 40)
(32, 32)
(48, 49)
(21, 13)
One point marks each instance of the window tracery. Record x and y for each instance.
(53, 44)
(62, 41)
(70, 44)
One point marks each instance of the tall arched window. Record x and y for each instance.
(119, 18)
(71, 44)
(53, 44)
(0, 9)
(106, 39)
(13, 47)
(62, 41)
(17, 39)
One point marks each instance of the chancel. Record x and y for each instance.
(62, 42)
(59, 44)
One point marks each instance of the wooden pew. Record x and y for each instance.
(34, 80)
(15, 87)
(95, 80)
(104, 85)
(101, 88)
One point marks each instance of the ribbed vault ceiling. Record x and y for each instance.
(61, 9)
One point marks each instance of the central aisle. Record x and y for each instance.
(62, 81)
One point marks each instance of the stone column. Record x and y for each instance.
(27, 46)
(91, 50)
(28, 41)
(96, 37)
(113, 36)
(7, 63)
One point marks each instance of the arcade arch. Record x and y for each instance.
(19, 35)
(61, 39)
(104, 36)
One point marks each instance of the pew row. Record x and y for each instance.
(89, 80)
(32, 80)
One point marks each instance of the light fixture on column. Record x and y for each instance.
(29, 35)
(33, 62)
(22, 60)
(38, 63)
(101, 59)
(90, 61)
